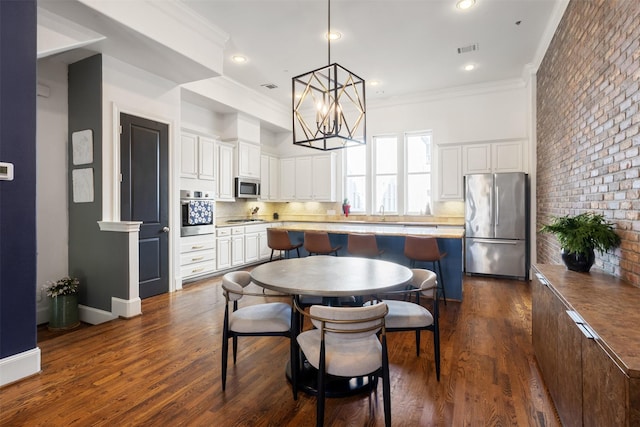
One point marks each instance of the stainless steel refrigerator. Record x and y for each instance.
(497, 224)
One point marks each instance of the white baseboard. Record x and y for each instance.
(126, 308)
(19, 366)
(94, 316)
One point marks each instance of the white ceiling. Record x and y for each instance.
(409, 46)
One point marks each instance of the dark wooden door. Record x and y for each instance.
(144, 190)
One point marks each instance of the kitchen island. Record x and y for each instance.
(390, 238)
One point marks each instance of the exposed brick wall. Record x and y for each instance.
(588, 110)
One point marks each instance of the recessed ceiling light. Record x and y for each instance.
(465, 4)
(333, 35)
(469, 67)
(374, 83)
(239, 59)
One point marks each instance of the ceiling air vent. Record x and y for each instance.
(269, 85)
(470, 48)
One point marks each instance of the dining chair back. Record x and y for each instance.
(347, 342)
(413, 316)
(263, 319)
(425, 249)
(318, 243)
(278, 240)
(365, 245)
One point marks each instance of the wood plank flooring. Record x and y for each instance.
(163, 368)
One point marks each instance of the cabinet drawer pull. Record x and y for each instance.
(197, 246)
(195, 270)
(199, 258)
(542, 279)
(586, 331)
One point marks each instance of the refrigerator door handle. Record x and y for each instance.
(497, 205)
(496, 242)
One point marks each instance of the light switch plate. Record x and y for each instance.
(6, 171)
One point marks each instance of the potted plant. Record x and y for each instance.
(346, 207)
(63, 295)
(580, 235)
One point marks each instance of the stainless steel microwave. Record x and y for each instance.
(247, 188)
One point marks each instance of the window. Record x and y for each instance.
(392, 173)
(356, 177)
(418, 161)
(386, 174)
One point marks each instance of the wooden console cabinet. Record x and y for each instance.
(586, 338)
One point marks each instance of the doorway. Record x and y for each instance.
(144, 160)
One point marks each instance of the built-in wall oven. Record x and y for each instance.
(198, 212)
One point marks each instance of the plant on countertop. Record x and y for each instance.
(583, 233)
(64, 286)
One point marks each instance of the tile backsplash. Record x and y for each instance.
(316, 211)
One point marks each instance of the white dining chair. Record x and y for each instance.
(347, 342)
(265, 319)
(413, 316)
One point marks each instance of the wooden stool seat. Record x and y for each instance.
(425, 249)
(317, 242)
(278, 240)
(365, 245)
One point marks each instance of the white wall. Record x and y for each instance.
(51, 180)
(479, 113)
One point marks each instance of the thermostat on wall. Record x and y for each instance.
(6, 171)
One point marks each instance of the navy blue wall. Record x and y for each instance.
(18, 197)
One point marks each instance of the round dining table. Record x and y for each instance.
(330, 278)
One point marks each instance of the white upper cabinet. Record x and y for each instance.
(206, 154)
(476, 158)
(324, 178)
(288, 179)
(507, 156)
(308, 178)
(304, 188)
(269, 177)
(224, 187)
(189, 155)
(197, 157)
(450, 173)
(248, 160)
(493, 157)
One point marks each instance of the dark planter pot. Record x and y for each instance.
(578, 262)
(64, 312)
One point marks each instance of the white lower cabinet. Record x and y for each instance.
(263, 248)
(197, 255)
(251, 253)
(241, 245)
(237, 246)
(223, 248)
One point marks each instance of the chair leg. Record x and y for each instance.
(271, 257)
(321, 397)
(225, 355)
(444, 295)
(235, 348)
(298, 252)
(436, 351)
(386, 387)
(412, 263)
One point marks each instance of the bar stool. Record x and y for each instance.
(425, 249)
(317, 242)
(278, 240)
(364, 245)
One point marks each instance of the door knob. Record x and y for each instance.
(165, 229)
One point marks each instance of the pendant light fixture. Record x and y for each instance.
(328, 105)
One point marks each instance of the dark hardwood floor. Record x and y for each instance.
(163, 368)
